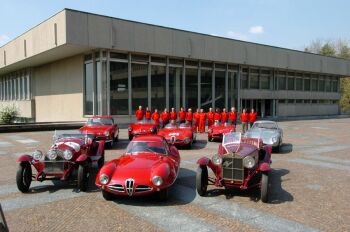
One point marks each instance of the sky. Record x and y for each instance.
(283, 23)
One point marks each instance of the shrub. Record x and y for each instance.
(8, 114)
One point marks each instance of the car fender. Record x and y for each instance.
(82, 158)
(24, 158)
(264, 167)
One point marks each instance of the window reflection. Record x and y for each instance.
(158, 85)
(139, 88)
(89, 78)
(191, 88)
(232, 91)
(175, 87)
(220, 89)
(206, 89)
(119, 88)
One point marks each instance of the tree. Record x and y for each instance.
(328, 50)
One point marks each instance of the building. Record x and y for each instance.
(77, 64)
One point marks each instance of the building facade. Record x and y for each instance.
(77, 64)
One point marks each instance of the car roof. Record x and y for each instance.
(265, 121)
(101, 116)
(148, 138)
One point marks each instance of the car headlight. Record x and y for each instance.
(151, 129)
(274, 139)
(37, 155)
(67, 154)
(103, 179)
(157, 180)
(129, 129)
(216, 159)
(248, 162)
(187, 140)
(106, 133)
(52, 154)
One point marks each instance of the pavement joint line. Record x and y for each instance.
(325, 149)
(329, 159)
(27, 141)
(320, 164)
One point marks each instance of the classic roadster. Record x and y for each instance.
(70, 157)
(241, 163)
(269, 132)
(216, 131)
(142, 127)
(179, 134)
(103, 127)
(149, 166)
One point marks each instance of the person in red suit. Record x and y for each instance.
(244, 119)
(233, 116)
(202, 120)
(148, 114)
(217, 115)
(156, 117)
(189, 116)
(165, 116)
(224, 116)
(196, 119)
(182, 115)
(210, 116)
(173, 114)
(139, 113)
(252, 117)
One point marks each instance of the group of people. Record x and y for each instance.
(198, 118)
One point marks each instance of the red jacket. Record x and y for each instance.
(165, 116)
(210, 115)
(182, 115)
(244, 117)
(173, 115)
(148, 115)
(139, 114)
(189, 116)
(252, 116)
(217, 116)
(224, 117)
(156, 117)
(196, 117)
(233, 116)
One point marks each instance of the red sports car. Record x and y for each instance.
(142, 127)
(103, 127)
(218, 129)
(149, 165)
(70, 157)
(179, 134)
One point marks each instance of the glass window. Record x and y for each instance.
(175, 87)
(120, 56)
(281, 82)
(89, 89)
(314, 101)
(298, 101)
(158, 87)
(291, 101)
(219, 89)
(232, 89)
(244, 80)
(119, 88)
(191, 88)
(321, 85)
(291, 83)
(328, 85)
(335, 86)
(139, 78)
(265, 81)
(101, 86)
(281, 101)
(206, 89)
(314, 85)
(306, 84)
(254, 79)
(19, 89)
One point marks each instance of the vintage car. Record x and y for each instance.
(241, 163)
(216, 131)
(141, 127)
(181, 135)
(150, 165)
(103, 127)
(269, 132)
(70, 158)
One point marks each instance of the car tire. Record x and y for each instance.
(264, 187)
(163, 194)
(101, 161)
(210, 139)
(131, 137)
(24, 176)
(107, 195)
(83, 177)
(202, 180)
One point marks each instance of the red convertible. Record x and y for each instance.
(218, 129)
(70, 157)
(241, 163)
(179, 134)
(103, 127)
(149, 165)
(142, 127)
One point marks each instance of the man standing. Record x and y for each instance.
(139, 113)
(217, 115)
(165, 117)
(224, 116)
(202, 119)
(210, 116)
(173, 114)
(252, 117)
(189, 116)
(196, 119)
(244, 119)
(148, 114)
(156, 117)
(182, 115)
(233, 116)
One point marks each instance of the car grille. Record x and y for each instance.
(129, 186)
(232, 167)
(54, 166)
(143, 188)
(116, 187)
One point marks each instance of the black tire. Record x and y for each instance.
(131, 137)
(210, 139)
(83, 177)
(163, 194)
(101, 161)
(202, 180)
(107, 195)
(24, 177)
(264, 187)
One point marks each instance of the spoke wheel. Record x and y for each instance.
(264, 187)
(202, 180)
(83, 176)
(24, 177)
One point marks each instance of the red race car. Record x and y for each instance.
(142, 127)
(70, 157)
(179, 134)
(103, 127)
(216, 131)
(149, 166)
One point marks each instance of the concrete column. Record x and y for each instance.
(199, 86)
(108, 84)
(167, 84)
(213, 87)
(129, 85)
(149, 83)
(184, 85)
(226, 89)
(239, 89)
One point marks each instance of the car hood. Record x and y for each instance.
(222, 129)
(264, 134)
(95, 129)
(175, 132)
(136, 126)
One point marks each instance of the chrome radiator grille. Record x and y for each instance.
(129, 186)
(232, 167)
(116, 187)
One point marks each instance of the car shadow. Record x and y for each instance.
(120, 145)
(199, 144)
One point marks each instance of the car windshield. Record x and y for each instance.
(185, 125)
(171, 125)
(265, 125)
(231, 141)
(100, 121)
(144, 121)
(152, 147)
